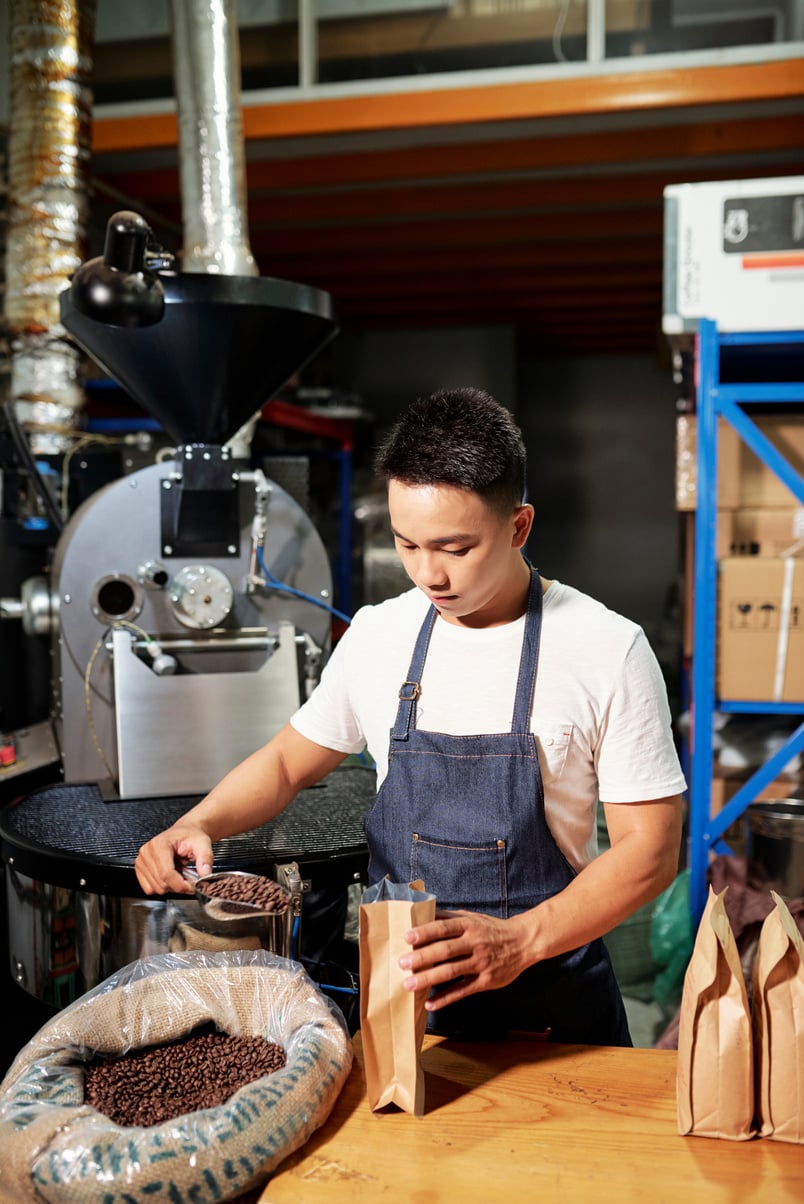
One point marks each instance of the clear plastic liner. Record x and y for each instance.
(57, 1147)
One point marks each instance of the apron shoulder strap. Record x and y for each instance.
(526, 679)
(411, 688)
(529, 660)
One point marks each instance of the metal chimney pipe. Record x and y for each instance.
(206, 66)
(48, 167)
(212, 164)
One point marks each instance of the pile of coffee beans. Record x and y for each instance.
(162, 1082)
(260, 892)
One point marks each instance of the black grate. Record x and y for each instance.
(69, 835)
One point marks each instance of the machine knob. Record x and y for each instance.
(201, 596)
(33, 607)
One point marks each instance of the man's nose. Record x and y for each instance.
(433, 573)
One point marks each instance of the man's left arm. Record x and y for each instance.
(481, 953)
(642, 861)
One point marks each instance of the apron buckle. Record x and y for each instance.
(409, 691)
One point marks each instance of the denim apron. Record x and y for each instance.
(466, 815)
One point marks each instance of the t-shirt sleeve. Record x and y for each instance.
(636, 755)
(328, 717)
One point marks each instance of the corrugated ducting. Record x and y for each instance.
(48, 169)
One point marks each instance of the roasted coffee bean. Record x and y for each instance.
(162, 1082)
(261, 892)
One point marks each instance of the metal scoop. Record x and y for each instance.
(220, 908)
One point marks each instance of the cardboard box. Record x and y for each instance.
(758, 485)
(724, 539)
(725, 788)
(760, 629)
(743, 480)
(687, 590)
(770, 531)
(728, 468)
(734, 253)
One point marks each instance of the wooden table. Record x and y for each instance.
(527, 1120)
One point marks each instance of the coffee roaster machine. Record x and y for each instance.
(189, 611)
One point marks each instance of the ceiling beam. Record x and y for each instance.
(558, 95)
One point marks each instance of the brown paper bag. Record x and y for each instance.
(392, 1019)
(778, 982)
(715, 1076)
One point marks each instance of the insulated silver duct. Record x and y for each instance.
(206, 67)
(212, 165)
(48, 165)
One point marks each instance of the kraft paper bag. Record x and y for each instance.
(715, 1075)
(392, 1019)
(778, 996)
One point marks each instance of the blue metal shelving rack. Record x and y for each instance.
(716, 399)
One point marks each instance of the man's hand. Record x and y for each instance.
(159, 862)
(253, 792)
(470, 951)
(475, 952)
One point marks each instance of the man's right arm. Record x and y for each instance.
(253, 792)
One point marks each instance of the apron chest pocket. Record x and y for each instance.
(463, 877)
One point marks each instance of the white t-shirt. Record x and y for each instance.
(600, 711)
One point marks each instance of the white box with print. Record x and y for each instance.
(734, 253)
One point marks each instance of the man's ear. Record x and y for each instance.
(523, 521)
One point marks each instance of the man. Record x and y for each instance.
(513, 704)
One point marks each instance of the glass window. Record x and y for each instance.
(379, 39)
(676, 26)
(356, 40)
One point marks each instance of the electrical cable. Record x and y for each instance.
(274, 583)
(88, 690)
(83, 441)
(88, 703)
(25, 454)
(558, 32)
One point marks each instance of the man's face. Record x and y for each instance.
(460, 552)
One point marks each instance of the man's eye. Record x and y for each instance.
(460, 552)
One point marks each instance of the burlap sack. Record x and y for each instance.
(778, 981)
(57, 1148)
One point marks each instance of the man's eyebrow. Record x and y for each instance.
(459, 537)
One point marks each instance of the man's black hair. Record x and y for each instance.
(459, 437)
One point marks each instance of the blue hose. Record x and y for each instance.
(275, 583)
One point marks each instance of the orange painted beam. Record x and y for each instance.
(693, 140)
(557, 96)
(704, 139)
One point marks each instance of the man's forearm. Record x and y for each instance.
(262, 785)
(640, 863)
